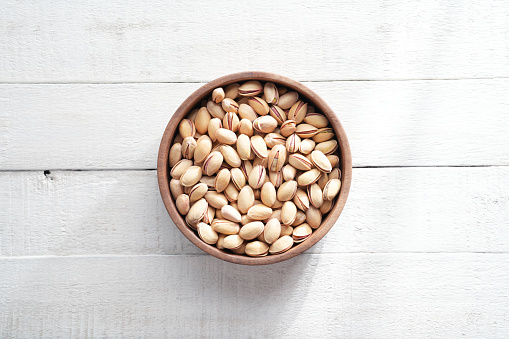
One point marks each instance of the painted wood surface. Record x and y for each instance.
(388, 123)
(132, 41)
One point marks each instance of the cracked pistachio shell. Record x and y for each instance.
(252, 230)
(301, 200)
(288, 128)
(331, 189)
(257, 177)
(246, 167)
(257, 249)
(286, 230)
(244, 147)
(220, 241)
(270, 93)
(306, 131)
(182, 204)
(231, 213)
(230, 156)
(207, 234)
(175, 154)
(216, 199)
(326, 206)
(202, 120)
(233, 241)
(335, 174)
(273, 139)
(309, 177)
(191, 176)
(321, 161)
(188, 147)
(192, 224)
(316, 119)
(203, 148)
(180, 167)
(306, 146)
(276, 158)
(281, 245)
(265, 124)
(197, 192)
(289, 172)
(323, 134)
(250, 88)
(222, 180)
(313, 217)
(259, 212)
(259, 105)
(300, 162)
(276, 178)
(209, 181)
(230, 105)
(209, 216)
(245, 199)
(277, 113)
(231, 122)
(238, 178)
(214, 125)
(212, 163)
(288, 213)
(231, 192)
(293, 143)
(225, 226)
(298, 111)
(232, 91)
(288, 99)
(268, 194)
(301, 233)
(247, 112)
(272, 231)
(246, 127)
(299, 219)
(197, 211)
(315, 195)
(259, 146)
(226, 136)
(218, 95)
(215, 110)
(327, 147)
(287, 191)
(324, 178)
(176, 188)
(187, 128)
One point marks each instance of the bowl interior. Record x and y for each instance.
(309, 96)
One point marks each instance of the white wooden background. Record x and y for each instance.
(88, 250)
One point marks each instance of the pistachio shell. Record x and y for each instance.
(247, 112)
(246, 168)
(230, 156)
(182, 204)
(192, 224)
(288, 128)
(309, 177)
(306, 131)
(180, 167)
(209, 181)
(306, 146)
(293, 143)
(188, 147)
(286, 230)
(321, 161)
(276, 158)
(259, 146)
(335, 174)
(272, 231)
(251, 230)
(232, 91)
(299, 219)
(276, 178)
(259, 212)
(334, 161)
(288, 213)
(250, 88)
(186, 128)
(327, 147)
(225, 136)
(222, 180)
(232, 242)
(288, 172)
(230, 213)
(300, 162)
(326, 206)
(276, 214)
(207, 234)
(202, 120)
(225, 226)
(259, 105)
(231, 192)
(257, 177)
(298, 111)
(230, 105)
(215, 199)
(192, 115)
(277, 204)
(316, 119)
(212, 163)
(197, 192)
(175, 154)
(238, 178)
(277, 113)
(315, 195)
(197, 211)
(313, 217)
(301, 233)
(209, 215)
(331, 189)
(176, 188)
(301, 200)
(257, 249)
(287, 191)
(215, 110)
(268, 194)
(246, 127)
(265, 124)
(273, 139)
(244, 147)
(218, 95)
(203, 148)
(270, 93)
(214, 125)
(288, 99)
(322, 180)
(245, 199)
(324, 134)
(281, 245)
(231, 122)
(220, 241)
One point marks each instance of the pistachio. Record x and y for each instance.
(251, 230)
(331, 189)
(287, 191)
(288, 128)
(246, 127)
(335, 173)
(272, 231)
(276, 214)
(180, 167)
(250, 88)
(209, 181)
(245, 199)
(323, 134)
(306, 146)
(202, 120)
(257, 249)
(288, 172)
(197, 192)
(216, 199)
(247, 112)
(187, 128)
(231, 213)
(244, 147)
(178, 139)
(232, 242)
(218, 95)
(215, 110)
(321, 161)
(197, 211)
(245, 220)
(182, 204)
(231, 192)
(220, 241)
(175, 154)
(209, 215)
(270, 93)
(259, 212)
(288, 99)
(276, 158)
(300, 162)
(277, 113)
(203, 148)
(286, 230)
(225, 226)
(299, 219)
(268, 194)
(214, 125)
(273, 139)
(309, 177)
(176, 188)
(313, 217)
(276, 178)
(298, 111)
(240, 250)
(212, 163)
(230, 156)
(192, 224)
(192, 115)
(230, 105)
(306, 131)
(315, 195)
(259, 146)
(281, 245)
(207, 234)
(301, 200)
(326, 206)
(246, 168)
(301, 233)
(265, 124)
(191, 176)
(188, 147)
(316, 119)
(293, 143)
(259, 105)
(226, 136)
(288, 213)
(222, 180)
(277, 204)
(231, 122)
(322, 180)
(282, 90)
(238, 178)
(257, 177)
(327, 147)
(232, 91)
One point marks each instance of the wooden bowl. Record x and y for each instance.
(191, 102)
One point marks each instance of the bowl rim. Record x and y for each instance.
(190, 103)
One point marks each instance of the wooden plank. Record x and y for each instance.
(125, 41)
(389, 210)
(394, 123)
(311, 296)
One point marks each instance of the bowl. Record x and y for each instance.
(195, 99)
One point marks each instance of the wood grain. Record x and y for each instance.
(121, 212)
(310, 296)
(393, 123)
(132, 41)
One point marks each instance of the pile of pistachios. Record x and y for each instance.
(254, 169)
